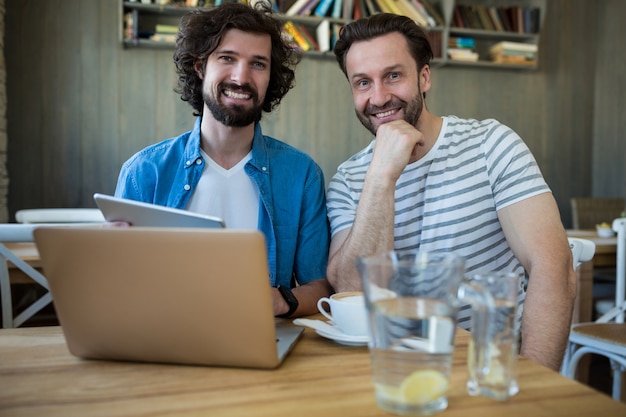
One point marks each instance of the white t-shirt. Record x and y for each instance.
(448, 200)
(227, 193)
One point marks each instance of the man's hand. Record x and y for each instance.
(397, 145)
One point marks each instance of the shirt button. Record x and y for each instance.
(264, 169)
(188, 163)
(187, 187)
(198, 161)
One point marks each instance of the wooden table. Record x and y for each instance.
(39, 377)
(605, 256)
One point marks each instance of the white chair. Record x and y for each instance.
(27, 220)
(582, 250)
(18, 233)
(607, 335)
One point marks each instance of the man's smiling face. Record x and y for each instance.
(384, 80)
(236, 78)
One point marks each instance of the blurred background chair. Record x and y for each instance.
(589, 211)
(19, 233)
(582, 250)
(586, 214)
(607, 335)
(16, 244)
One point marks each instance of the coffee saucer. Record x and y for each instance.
(327, 330)
(344, 339)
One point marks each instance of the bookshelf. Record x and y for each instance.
(462, 32)
(515, 23)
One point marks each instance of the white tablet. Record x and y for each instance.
(142, 214)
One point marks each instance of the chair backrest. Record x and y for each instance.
(617, 312)
(59, 215)
(587, 212)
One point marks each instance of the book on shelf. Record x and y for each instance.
(337, 9)
(393, 6)
(501, 19)
(296, 7)
(515, 60)
(161, 28)
(405, 8)
(335, 28)
(422, 10)
(507, 52)
(462, 54)
(372, 7)
(298, 38)
(457, 18)
(163, 37)
(483, 17)
(308, 8)
(461, 42)
(308, 36)
(348, 9)
(322, 31)
(433, 11)
(514, 46)
(130, 25)
(495, 18)
(281, 6)
(357, 12)
(473, 18)
(382, 5)
(323, 8)
(435, 38)
(511, 12)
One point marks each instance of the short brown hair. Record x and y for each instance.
(381, 24)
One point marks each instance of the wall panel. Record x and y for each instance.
(80, 104)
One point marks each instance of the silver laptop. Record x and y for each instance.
(142, 214)
(169, 295)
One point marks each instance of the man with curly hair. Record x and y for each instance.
(233, 64)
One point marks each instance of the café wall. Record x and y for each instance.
(79, 104)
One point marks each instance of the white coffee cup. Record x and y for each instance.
(347, 312)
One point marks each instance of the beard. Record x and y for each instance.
(411, 109)
(234, 115)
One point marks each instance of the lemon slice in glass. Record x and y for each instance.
(422, 387)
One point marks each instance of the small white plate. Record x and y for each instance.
(343, 339)
(327, 330)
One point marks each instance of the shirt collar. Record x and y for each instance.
(260, 158)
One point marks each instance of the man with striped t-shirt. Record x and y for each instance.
(444, 184)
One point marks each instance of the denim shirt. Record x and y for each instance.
(292, 210)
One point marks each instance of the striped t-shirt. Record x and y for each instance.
(448, 200)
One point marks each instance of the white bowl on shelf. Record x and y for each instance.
(605, 231)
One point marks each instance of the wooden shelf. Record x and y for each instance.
(144, 17)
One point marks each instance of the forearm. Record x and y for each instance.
(371, 233)
(308, 294)
(547, 317)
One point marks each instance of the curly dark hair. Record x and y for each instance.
(201, 32)
(381, 24)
